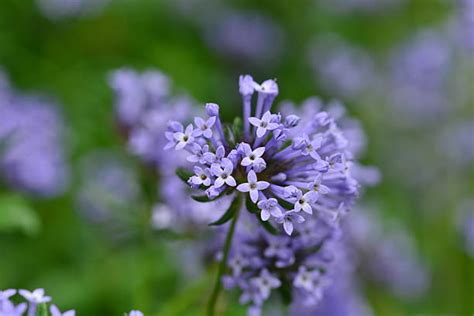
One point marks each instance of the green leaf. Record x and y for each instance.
(251, 207)
(229, 135)
(17, 215)
(233, 208)
(42, 310)
(237, 127)
(285, 204)
(184, 174)
(268, 226)
(202, 198)
(285, 292)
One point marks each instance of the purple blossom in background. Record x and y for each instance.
(342, 297)
(419, 79)
(295, 175)
(340, 68)
(144, 106)
(107, 192)
(135, 313)
(456, 143)
(465, 225)
(464, 24)
(31, 156)
(64, 9)
(386, 254)
(244, 37)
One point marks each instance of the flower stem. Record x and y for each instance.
(223, 263)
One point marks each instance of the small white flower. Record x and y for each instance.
(264, 124)
(253, 158)
(253, 186)
(204, 127)
(185, 138)
(223, 173)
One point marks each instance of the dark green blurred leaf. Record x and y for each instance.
(285, 292)
(268, 226)
(202, 198)
(251, 207)
(184, 174)
(233, 208)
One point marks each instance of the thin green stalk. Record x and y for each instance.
(211, 308)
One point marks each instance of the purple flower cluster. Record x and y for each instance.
(296, 174)
(245, 37)
(297, 266)
(31, 156)
(33, 298)
(341, 68)
(284, 176)
(144, 105)
(343, 296)
(386, 254)
(465, 24)
(465, 225)
(419, 73)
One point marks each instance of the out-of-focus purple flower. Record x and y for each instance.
(31, 156)
(419, 78)
(465, 225)
(145, 108)
(64, 9)
(464, 24)
(108, 191)
(340, 68)
(56, 312)
(6, 294)
(456, 143)
(386, 254)
(135, 313)
(7, 308)
(245, 37)
(342, 297)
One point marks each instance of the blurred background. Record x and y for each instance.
(81, 212)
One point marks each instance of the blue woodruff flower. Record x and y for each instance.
(298, 176)
(308, 172)
(36, 304)
(32, 157)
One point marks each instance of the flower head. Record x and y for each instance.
(253, 186)
(292, 167)
(297, 174)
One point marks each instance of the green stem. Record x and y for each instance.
(211, 308)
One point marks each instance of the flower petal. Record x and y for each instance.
(244, 187)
